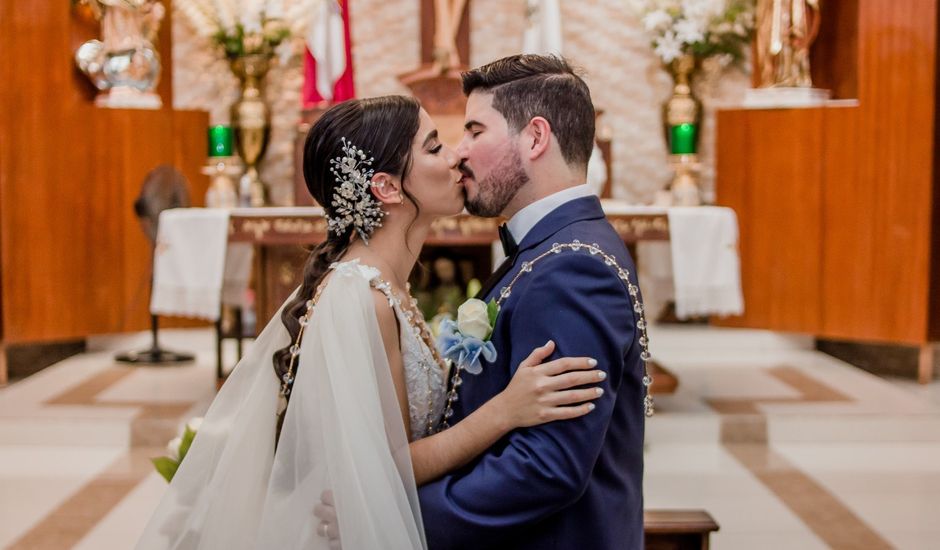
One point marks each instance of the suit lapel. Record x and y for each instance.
(585, 208)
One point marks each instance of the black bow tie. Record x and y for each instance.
(510, 248)
(509, 244)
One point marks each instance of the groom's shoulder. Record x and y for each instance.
(576, 267)
(566, 258)
(591, 231)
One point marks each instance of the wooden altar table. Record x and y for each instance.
(276, 232)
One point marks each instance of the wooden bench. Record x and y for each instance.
(677, 529)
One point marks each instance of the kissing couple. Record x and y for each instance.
(347, 426)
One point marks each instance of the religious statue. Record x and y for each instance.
(124, 64)
(436, 81)
(445, 58)
(785, 31)
(447, 16)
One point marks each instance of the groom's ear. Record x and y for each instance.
(537, 136)
(387, 188)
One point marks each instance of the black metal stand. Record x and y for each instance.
(238, 333)
(155, 355)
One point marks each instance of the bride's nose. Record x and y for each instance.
(453, 160)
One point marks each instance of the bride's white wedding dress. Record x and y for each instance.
(425, 379)
(343, 432)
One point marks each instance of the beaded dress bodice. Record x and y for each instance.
(425, 379)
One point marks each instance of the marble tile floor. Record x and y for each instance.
(786, 447)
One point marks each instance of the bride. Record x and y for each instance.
(353, 403)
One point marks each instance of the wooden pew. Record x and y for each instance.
(678, 529)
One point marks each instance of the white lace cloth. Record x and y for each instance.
(195, 268)
(699, 267)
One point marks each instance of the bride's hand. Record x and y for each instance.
(542, 392)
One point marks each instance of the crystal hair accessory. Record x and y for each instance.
(352, 202)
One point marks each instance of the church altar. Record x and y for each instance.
(201, 261)
(307, 225)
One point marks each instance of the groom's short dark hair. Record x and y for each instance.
(526, 86)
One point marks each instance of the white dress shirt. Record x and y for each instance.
(525, 219)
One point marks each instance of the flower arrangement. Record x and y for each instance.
(468, 339)
(248, 27)
(701, 28)
(177, 448)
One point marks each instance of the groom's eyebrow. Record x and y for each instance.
(431, 135)
(472, 123)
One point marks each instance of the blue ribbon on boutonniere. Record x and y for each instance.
(468, 339)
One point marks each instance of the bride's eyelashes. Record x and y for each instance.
(437, 149)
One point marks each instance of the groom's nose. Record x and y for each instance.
(463, 148)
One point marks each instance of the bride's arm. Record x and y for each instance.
(388, 325)
(538, 393)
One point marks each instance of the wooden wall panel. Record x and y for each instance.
(848, 248)
(732, 145)
(933, 322)
(834, 58)
(877, 221)
(6, 101)
(73, 259)
(774, 186)
(896, 91)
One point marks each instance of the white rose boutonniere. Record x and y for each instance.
(473, 319)
(464, 342)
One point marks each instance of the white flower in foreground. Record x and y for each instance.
(473, 319)
(194, 423)
(173, 447)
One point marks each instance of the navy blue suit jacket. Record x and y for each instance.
(573, 484)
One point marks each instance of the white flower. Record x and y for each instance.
(250, 16)
(194, 423)
(668, 48)
(473, 319)
(703, 10)
(722, 28)
(225, 15)
(274, 9)
(173, 447)
(656, 20)
(689, 31)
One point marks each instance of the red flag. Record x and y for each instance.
(328, 71)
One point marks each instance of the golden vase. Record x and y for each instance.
(251, 120)
(682, 117)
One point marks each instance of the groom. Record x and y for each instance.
(568, 484)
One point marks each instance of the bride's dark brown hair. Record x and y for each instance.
(384, 127)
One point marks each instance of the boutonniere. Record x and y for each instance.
(467, 339)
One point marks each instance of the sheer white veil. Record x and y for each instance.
(343, 431)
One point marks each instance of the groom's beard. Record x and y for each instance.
(499, 187)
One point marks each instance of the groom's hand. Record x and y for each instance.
(326, 512)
